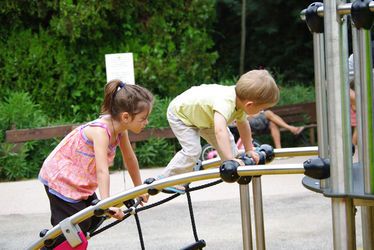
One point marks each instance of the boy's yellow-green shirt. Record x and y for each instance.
(197, 105)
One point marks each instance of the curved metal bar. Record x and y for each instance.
(299, 151)
(278, 152)
(275, 169)
(343, 9)
(118, 199)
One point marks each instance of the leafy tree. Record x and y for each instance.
(276, 38)
(55, 49)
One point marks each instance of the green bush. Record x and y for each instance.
(13, 164)
(157, 119)
(62, 63)
(19, 111)
(154, 152)
(296, 93)
(55, 75)
(20, 160)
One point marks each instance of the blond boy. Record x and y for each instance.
(206, 111)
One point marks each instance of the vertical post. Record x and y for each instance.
(321, 98)
(365, 211)
(363, 65)
(367, 129)
(367, 220)
(316, 25)
(339, 129)
(245, 207)
(367, 98)
(258, 213)
(357, 84)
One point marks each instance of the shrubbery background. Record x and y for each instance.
(52, 68)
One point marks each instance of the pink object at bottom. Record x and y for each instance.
(66, 246)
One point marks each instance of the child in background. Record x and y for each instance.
(352, 110)
(267, 121)
(206, 111)
(80, 163)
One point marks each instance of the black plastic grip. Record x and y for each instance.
(313, 20)
(361, 15)
(317, 168)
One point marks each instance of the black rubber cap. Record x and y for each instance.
(313, 20)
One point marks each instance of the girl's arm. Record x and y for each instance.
(100, 140)
(129, 158)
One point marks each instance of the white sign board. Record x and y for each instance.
(120, 66)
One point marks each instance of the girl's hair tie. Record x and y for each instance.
(121, 86)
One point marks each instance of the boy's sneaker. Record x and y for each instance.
(179, 189)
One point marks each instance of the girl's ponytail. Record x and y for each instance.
(120, 97)
(109, 93)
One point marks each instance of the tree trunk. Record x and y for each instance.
(243, 35)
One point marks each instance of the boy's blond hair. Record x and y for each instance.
(257, 86)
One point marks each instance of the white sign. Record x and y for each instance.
(120, 66)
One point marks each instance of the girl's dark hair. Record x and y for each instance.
(120, 97)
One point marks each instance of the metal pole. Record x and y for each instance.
(278, 152)
(357, 86)
(321, 98)
(367, 130)
(342, 9)
(299, 151)
(245, 208)
(321, 93)
(366, 212)
(338, 106)
(367, 98)
(258, 213)
(367, 219)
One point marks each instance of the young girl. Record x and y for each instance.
(80, 163)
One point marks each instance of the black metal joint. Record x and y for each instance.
(129, 203)
(317, 168)
(361, 15)
(151, 191)
(43, 233)
(229, 171)
(244, 180)
(267, 153)
(313, 20)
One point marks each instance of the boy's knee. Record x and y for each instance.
(194, 152)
